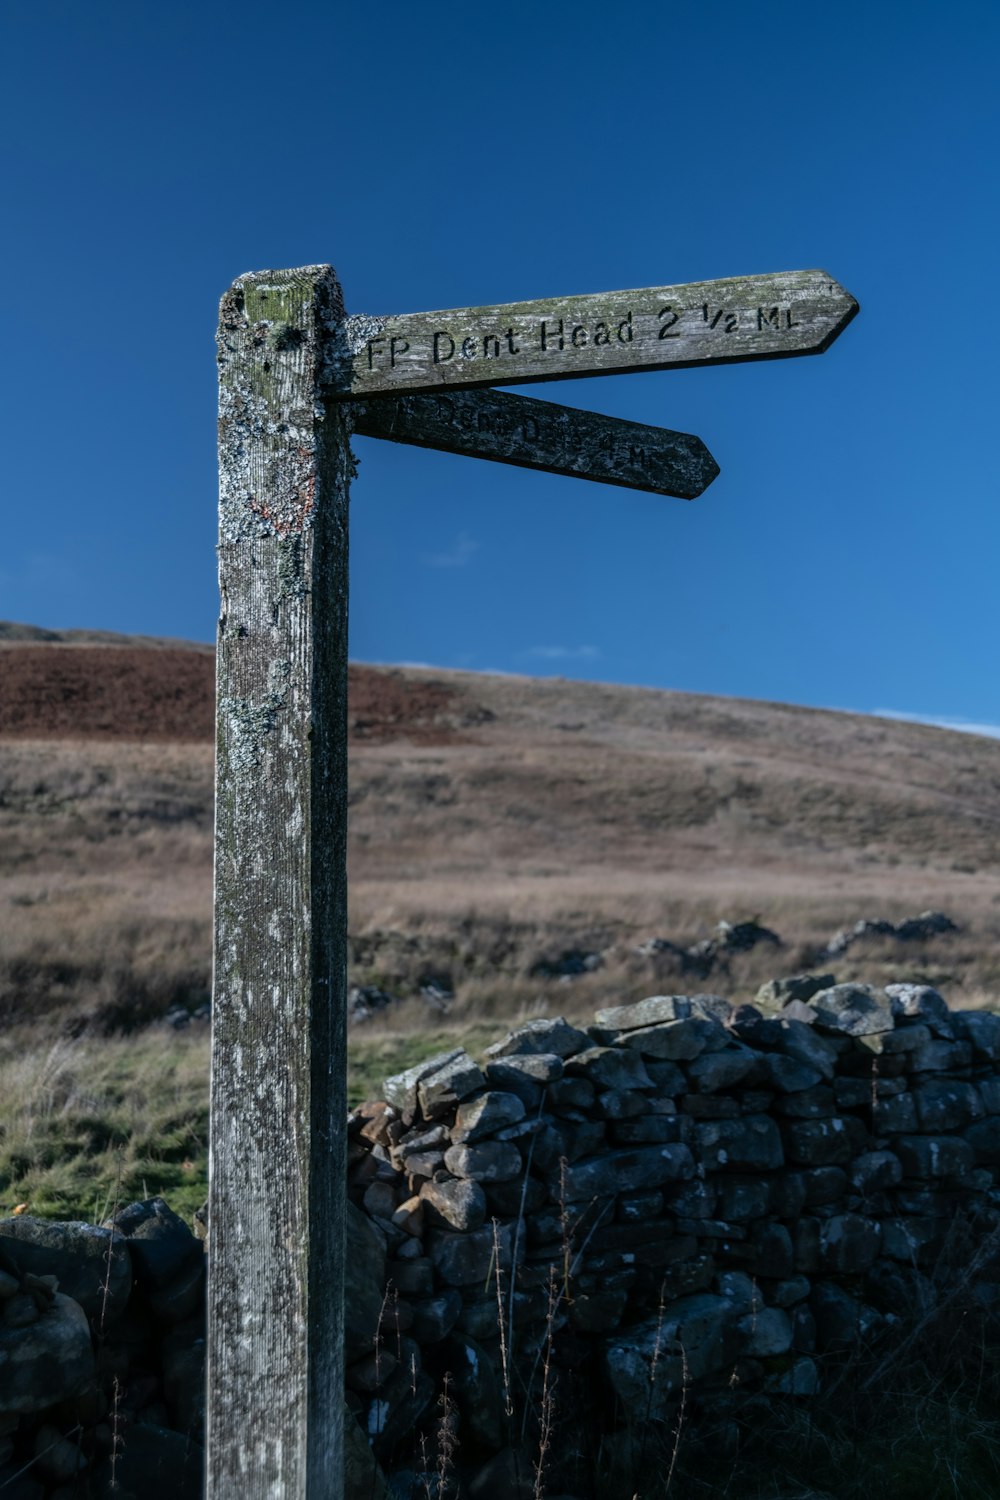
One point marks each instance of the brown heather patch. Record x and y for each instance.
(106, 693)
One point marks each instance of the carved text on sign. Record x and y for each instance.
(550, 334)
(713, 322)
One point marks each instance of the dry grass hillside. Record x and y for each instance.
(496, 823)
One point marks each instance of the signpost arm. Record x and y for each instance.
(278, 1114)
(541, 435)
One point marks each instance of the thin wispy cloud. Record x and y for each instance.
(563, 653)
(963, 726)
(459, 555)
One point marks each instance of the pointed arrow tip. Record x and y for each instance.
(709, 470)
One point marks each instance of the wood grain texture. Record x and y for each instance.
(563, 338)
(275, 1344)
(541, 435)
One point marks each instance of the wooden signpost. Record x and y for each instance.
(296, 376)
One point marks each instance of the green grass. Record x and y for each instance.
(88, 1122)
(374, 1055)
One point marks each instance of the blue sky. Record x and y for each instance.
(447, 154)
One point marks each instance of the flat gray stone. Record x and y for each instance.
(981, 1028)
(712, 1008)
(83, 1257)
(180, 1298)
(397, 1408)
(435, 1317)
(487, 1161)
(922, 1003)
(577, 1093)
(466, 1259)
(826, 1142)
(766, 1333)
(161, 1244)
(934, 1157)
(774, 1253)
(803, 1043)
(896, 1115)
(853, 1010)
(622, 1104)
(849, 1244)
(648, 1128)
(364, 1281)
(476, 1387)
(984, 1138)
(789, 1075)
(645, 1366)
(723, 1070)
(752, 1143)
(824, 1184)
(915, 1239)
(644, 1013)
(478, 1118)
(790, 1290)
(401, 1089)
(741, 1199)
(610, 1068)
(543, 1035)
(539, 1067)
(778, 992)
(513, 1075)
(669, 1079)
(875, 1172)
(457, 1204)
(440, 1091)
(841, 1320)
(616, 1172)
(989, 1092)
(941, 1057)
(909, 1038)
(362, 1475)
(677, 1041)
(47, 1362)
(947, 1104)
(740, 1291)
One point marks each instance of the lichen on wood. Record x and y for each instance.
(278, 1068)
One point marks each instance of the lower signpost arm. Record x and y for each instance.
(543, 435)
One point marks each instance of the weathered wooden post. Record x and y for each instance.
(275, 1345)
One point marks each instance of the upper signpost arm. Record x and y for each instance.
(563, 338)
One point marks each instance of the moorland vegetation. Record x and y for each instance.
(517, 849)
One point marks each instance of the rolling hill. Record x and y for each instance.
(507, 835)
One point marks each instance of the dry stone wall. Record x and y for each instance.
(102, 1357)
(686, 1194)
(684, 1198)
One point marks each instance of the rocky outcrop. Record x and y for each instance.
(912, 929)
